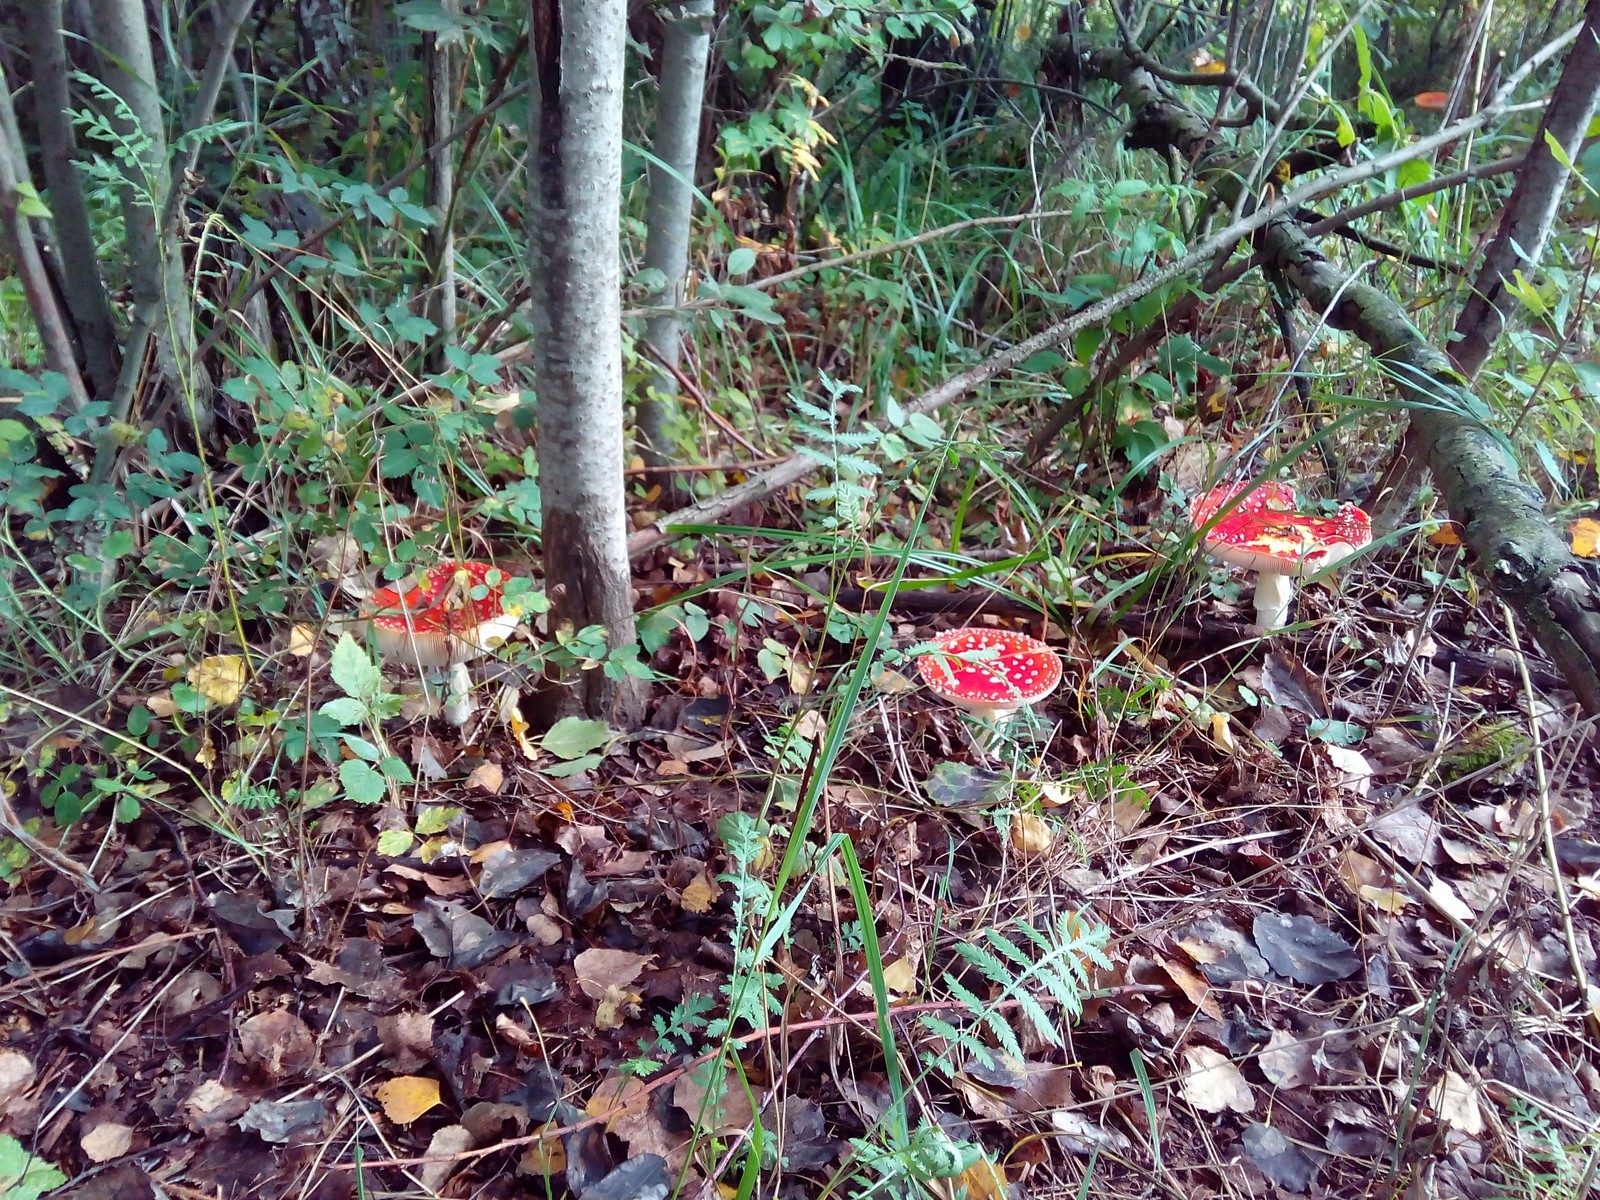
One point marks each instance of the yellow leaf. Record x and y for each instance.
(1586, 537)
(1211, 68)
(1222, 733)
(983, 1180)
(302, 640)
(1385, 900)
(407, 1097)
(219, 678)
(900, 976)
(699, 895)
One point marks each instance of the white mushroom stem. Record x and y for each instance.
(1274, 592)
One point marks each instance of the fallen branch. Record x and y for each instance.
(800, 466)
(1526, 562)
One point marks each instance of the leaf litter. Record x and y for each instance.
(526, 991)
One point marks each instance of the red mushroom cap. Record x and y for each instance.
(1263, 531)
(439, 622)
(1022, 671)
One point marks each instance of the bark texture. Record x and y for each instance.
(1524, 559)
(159, 283)
(440, 56)
(679, 104)
(30, 265)
(574, 202)
(85, 291)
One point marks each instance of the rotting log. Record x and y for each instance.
(1524, 559)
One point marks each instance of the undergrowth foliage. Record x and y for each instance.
(1019, 965)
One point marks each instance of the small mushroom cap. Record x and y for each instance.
(439, 622)
(1023, 669)
(1264, 531)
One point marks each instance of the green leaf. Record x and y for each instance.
(118, 543)
(22, 1175)
(566, 770)
(573, 737)
(29, 204)
(346, 710)
(361, 783)
(356, 674)
(392, 843)
(741, 260)
(435, 820)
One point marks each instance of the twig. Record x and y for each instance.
(1587, 992)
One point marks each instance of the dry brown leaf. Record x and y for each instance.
(302, 640)
(445, 1143)
(1385, 900)
(407, 1097)
(1456, 1102)
(545, 1155)
(278, 1041)
(1586, 537)
(1213, 1084)
(1287, 1061)
(729, 1111)
(983, 1180)
(488, 777)
(1194, 987)
(1030, 834)
(600, 970)
(107, 1140)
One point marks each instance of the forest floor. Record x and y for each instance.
(1340, 963)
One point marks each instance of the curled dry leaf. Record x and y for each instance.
(1456, 1102)
(1031, 835)
(1213, 1084)
(278, 1041)
(487, 777)
(407, 1097)
(443, 1146)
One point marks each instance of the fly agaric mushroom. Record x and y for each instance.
(439, 622)
(1263, 531)
(1016, 670)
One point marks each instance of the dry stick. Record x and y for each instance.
(799, 466)
(1588, 993)
(865, 1021)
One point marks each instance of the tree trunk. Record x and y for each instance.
(1518, 245)
(574, 210)
(440, 56)
(17, 230)
(1525, 560)
(680, 100)
(156, 271)
(85, 291)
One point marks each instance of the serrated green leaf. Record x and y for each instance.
(356, 674)
(394, 842)
(346, 710)
(435, 820)
(118, 543)
(361, 782)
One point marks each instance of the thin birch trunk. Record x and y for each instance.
(574, 209)
(679, 105)
(440, 57)
(88, 303)
(160, 285)
(18, 231)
